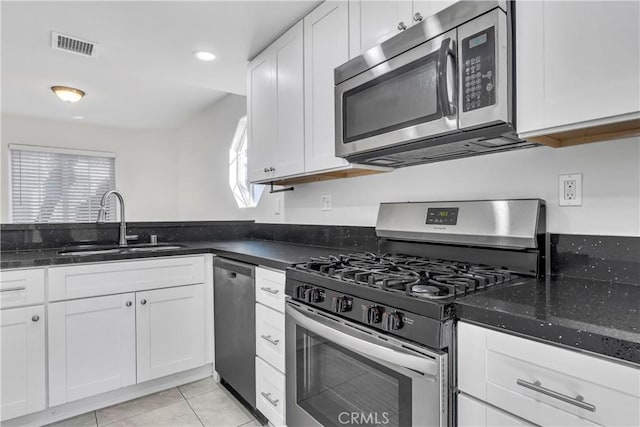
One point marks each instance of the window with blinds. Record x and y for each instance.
(55, 185)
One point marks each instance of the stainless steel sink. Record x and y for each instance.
(105, 250)
(153, 248)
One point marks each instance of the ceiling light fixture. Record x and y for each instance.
(204, 56)
(68, 94)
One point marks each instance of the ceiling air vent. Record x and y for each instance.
(72, 44)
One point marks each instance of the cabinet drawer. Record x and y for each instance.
(270, 397)
(21, 287)
(270, 288)
(475, 413)
(81, 281)
(542, 382)
(270, 336)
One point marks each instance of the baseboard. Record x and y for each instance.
(79, 407)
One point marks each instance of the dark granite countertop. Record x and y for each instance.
(279, 255)
(597, 316)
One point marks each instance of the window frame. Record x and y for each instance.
(241, 134)
(48, 149)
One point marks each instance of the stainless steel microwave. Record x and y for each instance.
(442, 89)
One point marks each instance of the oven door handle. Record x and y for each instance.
(394, 356)
(448, 108)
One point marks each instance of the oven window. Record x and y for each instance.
(338, 387)
(398, 99)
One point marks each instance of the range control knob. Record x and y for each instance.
(299, 292)
(392, 321)
(341, 304)
(313, 295)
(372, 314)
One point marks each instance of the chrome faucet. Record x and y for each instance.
(123, 237)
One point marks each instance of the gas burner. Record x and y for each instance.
(429, 291)
(424, 278)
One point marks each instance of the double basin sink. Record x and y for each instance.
(87, 250)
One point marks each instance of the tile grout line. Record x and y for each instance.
(144, 412)
(190, 407)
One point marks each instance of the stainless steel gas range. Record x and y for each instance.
(370, 337)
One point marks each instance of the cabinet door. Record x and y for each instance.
(427, 8)
(261, 115)
(290, 104)
(581, 65)
(326, 45)
(22, 361)
(170, 330)
(592, 66)
(475, 413)
(372, 22)
(92, 346)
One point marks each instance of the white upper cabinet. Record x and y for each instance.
(326, 39)
(261, 115)
(275, 106)
(372, 22)
(577, 66)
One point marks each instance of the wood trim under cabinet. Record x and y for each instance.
(603, 132)
(330, 174)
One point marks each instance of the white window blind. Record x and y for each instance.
(56, 185)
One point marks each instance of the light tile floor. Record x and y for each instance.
(202, 403)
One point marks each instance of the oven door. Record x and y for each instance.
(339, 373)
(408, 97)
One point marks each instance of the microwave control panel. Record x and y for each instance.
(479, 65)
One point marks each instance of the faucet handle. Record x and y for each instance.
(131, 237)
(153, 239)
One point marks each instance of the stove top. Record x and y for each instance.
(424, 278)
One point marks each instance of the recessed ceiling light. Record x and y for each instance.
(68, 94)
(204, 56)
(77, 117)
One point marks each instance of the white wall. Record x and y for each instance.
(146, 172)
(203, 163)
(611, 183)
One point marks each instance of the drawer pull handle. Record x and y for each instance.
(271, 340)
(16, 288)
(268, 397)
(271, 291)
(576, 401)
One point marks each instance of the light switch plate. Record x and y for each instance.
(570, 190)
(325, 202)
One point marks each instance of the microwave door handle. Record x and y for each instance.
(344, 339)
(443, 90)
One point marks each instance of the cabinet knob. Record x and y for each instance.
(128, 303)
(143, 302)
(35, 318)
(417, 17)
(266, 170)
(402, 26)
(272, 169)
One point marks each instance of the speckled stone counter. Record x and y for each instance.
(596, 316)
(273, 254)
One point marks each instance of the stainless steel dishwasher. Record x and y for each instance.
(235, 326)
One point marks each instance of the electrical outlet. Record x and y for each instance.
(277, 206)
(570, 190)
(325, 202)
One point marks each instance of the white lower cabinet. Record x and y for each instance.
(270, 345)
(22, 336)
(270, 397)
(475, 413)
(92, 346)
(545, 384)
(105, 343)
(170, 331)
